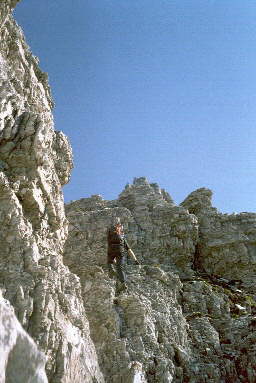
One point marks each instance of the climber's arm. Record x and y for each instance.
(130, 252)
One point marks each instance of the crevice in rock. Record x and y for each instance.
(121, 319)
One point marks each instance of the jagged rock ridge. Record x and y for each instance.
(189, 313)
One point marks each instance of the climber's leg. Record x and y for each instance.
(110, 262)
(120, 261)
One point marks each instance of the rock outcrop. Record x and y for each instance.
(183, 318)
(20, 359)
(45, 295)
(189, 315)
(227, 242)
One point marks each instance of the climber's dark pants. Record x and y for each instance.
(118, 255)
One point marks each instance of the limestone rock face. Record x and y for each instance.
(165, 233)
(35, 161)
(180, 320)
(227, 242)
(20, 359)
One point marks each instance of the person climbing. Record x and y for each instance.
(117, 245)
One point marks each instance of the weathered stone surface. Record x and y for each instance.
(165, 233)
(35, 161)
(20, 359)
(177, 321)
(227, 242)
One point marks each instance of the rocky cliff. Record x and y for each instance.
(45, 295)
(189, 314)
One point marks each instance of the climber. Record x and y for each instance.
(117, 245)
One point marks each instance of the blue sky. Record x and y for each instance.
(164, 89)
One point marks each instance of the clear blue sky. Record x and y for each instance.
(159, 88)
